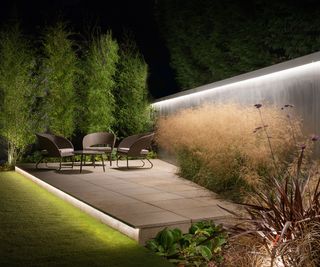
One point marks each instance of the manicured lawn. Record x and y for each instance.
(38, 229)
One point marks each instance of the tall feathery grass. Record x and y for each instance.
(224, 147)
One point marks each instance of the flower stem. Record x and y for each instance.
(269, 142)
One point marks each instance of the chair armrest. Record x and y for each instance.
(47, 144)
(63, 142)
(128, 141)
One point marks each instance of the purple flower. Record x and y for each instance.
(303, 146)
(315, 138)
(258, 105)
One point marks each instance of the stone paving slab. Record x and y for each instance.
(142, 198)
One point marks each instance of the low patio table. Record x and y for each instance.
(84, 153)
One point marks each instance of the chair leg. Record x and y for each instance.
(127, 162)
(110, 159)
(117, 160)
(81, 161)
(143, 163)
(60, 165)
(103, 163)
(150, 163)
(42, 157)
(72, 162)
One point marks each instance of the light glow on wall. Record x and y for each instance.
(295, 82)
(281, 75)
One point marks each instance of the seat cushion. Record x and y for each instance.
(125, 150)
(99, 148)
(144, 152)
(122, 150)
(66, 152)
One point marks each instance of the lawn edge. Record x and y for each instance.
(133, 233)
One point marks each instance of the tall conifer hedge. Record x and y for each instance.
(59, 70)
(100, 69)
(17, 92)
(132, 108)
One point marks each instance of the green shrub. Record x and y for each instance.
(227, 183)
(205, 45)
(201, 245)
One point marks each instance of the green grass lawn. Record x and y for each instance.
(39, 229)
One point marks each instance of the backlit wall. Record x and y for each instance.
(295, 82)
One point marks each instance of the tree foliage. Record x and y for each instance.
(17, 93)
(100, 69)
(58, 75)
(132, 108)
(48, 89)
(210, 40)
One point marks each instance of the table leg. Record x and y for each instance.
(94, 161)
(81, 163)
(103, 163)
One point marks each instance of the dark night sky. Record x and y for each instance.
(119, 15)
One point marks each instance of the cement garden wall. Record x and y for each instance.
(295, 82)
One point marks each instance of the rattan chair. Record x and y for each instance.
(100, 141)
(54, 146)
(135, 146)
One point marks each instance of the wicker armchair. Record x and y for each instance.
(54, 146)
(135, 146)
(101, 141)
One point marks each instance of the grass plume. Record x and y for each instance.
(223, 147)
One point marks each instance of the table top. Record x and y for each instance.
(88, 152)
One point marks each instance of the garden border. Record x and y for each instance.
(131, 232)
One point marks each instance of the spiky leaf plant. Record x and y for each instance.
(284, 215)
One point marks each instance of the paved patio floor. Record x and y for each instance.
(148, 199)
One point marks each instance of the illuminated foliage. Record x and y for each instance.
(100, 68)
(58, 77)
(132, 109)
(17, 92)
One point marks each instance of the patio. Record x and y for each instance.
(140, 200)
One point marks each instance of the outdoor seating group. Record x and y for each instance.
(93, 144)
